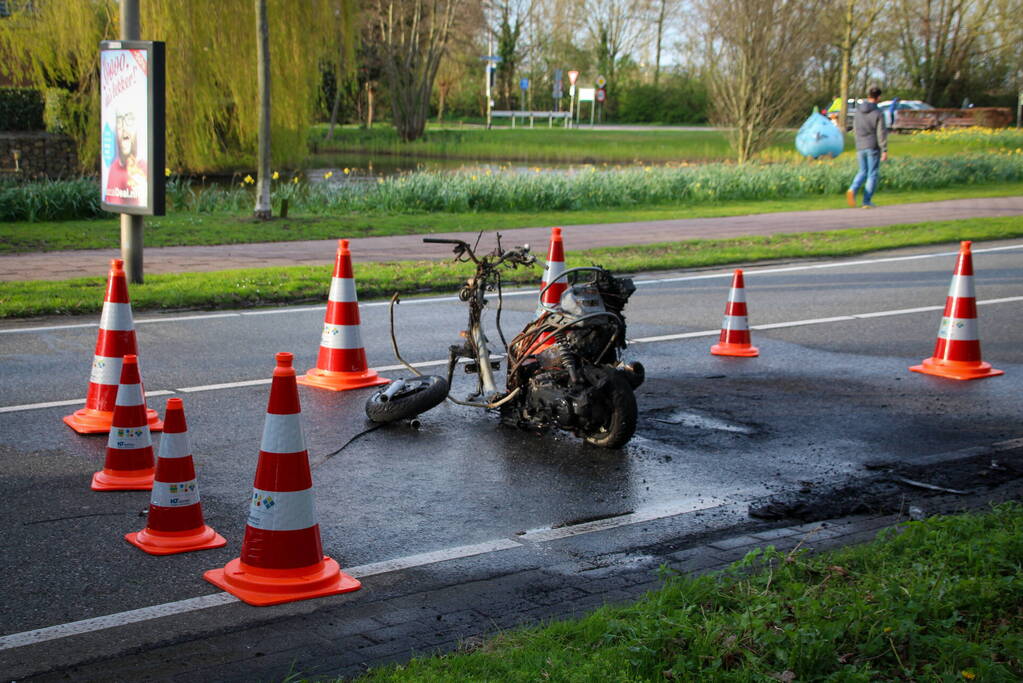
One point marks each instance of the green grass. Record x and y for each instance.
(614, 146)
(940, 601)
(266, 286)
(192, 229)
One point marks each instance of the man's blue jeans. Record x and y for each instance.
(870, 160)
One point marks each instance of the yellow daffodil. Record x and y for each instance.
(968, 675)
(295, 180)
(166, 172)
(347, 171)
(248, 180)
(276, 175)
(328, 175)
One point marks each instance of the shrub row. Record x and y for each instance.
(21, 109)
(49, 200)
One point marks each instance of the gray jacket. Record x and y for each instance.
(868, 124)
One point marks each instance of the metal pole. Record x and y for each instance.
(131, 225)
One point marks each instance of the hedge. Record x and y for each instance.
(21, 109)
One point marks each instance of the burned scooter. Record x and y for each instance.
(563, 370)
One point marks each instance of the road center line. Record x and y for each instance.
(750, 271)
(439, 363)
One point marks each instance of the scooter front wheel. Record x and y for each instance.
(418, 395)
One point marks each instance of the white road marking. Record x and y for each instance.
(69, 402)
(753, 270)
(439, 363)
(544, 535)
(422, 559)
(41, 635)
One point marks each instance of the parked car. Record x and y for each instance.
(886, 107)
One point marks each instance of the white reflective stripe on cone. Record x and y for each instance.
(961, 287)
(282, 434)
(174, 494)
(175, 445)
(737, 295)
(341, 336)
(958, 329)
(342, 289)
(129, 395)
(281, 510)
(105, 370)
(116, 317)
(734, 322)
(129, 438)
(551, 270)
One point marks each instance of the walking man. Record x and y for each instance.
(871, 148)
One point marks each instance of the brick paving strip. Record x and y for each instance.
(454, 605)
(61, 265)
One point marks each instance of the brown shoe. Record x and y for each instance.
(850, 199)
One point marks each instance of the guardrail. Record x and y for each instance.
(531, 115)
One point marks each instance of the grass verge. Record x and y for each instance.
(940, 600)
(194, 229)
(267, 286)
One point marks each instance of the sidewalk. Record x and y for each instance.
(61, 265)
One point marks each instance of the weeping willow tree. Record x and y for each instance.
(212, 93)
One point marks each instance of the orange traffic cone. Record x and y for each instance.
(735, 339)
(129, 461)
(282, 559)
(554, 267)
(957, 351)
(176, 523)
(341, 364)
(116, 339)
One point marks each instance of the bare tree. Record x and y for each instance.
(615, 27)
(858, 17)
(663, 12)
(756, 52)
(412, 36)
(941, 41)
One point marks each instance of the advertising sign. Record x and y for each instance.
(586, 94)
(132, 127)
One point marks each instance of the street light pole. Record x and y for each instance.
(131, 225)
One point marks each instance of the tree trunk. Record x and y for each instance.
(660, 36)
(263, 209)
(333, 111)
(843, 84)
(369, 104)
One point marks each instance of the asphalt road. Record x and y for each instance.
(830, 391)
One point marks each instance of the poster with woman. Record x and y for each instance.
(132, 128)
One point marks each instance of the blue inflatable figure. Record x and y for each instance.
(819, 137)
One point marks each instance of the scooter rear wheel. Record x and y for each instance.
(417, 396)
(622, 416)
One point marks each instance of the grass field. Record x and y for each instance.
(186, 228)
(940, 601)
(584, 145)
(269, 286)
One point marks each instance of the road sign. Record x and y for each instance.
(572, 75)
(586, 94)
(557, 85)
(600, 95)
(492, 58)
(601, 81)
(524, 84)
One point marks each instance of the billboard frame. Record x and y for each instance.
(156, 102)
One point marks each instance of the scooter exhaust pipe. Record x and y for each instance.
(393, 388)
